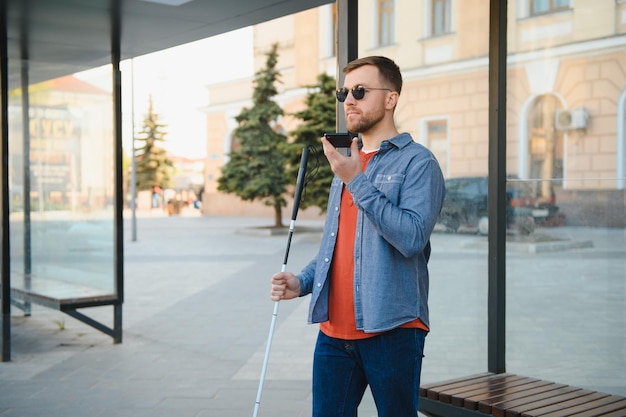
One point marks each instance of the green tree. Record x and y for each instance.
(256, 169)
(318, 117)
(153, 167)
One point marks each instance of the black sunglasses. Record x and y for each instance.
(358, 92)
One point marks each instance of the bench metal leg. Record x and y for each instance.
(5, 335)
(117, 323)
(115, 332)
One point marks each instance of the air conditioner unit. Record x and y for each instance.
(571, 119)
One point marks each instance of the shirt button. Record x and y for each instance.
(332, 234)
(336, 208)
(319, 285)
(326, 260)
(389, 178)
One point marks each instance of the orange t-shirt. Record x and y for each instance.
(342, 323)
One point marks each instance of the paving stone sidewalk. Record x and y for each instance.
(197, 314)
(196, 319)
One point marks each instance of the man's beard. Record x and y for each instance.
(365, 122)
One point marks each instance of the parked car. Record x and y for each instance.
(466, 205)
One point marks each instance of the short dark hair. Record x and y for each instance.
(387, 68)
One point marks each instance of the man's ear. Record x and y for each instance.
(392, 100)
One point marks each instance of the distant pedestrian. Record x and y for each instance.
(156, 196)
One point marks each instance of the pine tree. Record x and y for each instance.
(153, 167)
(256, 169)
(318, 117)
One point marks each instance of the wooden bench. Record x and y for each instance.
(56, 294)
(67, 297)
(508, 395)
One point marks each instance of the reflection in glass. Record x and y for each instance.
(566, 271)
(63, 246)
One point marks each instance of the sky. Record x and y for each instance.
(177, 79)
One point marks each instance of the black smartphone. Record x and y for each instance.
(339, 140)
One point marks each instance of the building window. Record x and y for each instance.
(437, 134)
(386, 22)
(546, 146)
(440, 21)
(547, 6)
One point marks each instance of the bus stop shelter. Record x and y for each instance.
(62, 191)
(44, 40)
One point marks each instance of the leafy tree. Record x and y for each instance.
(153, 167)
(256, 169)
(318, 117)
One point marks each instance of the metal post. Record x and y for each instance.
(133, 171)
(26, 189)
(116, 29)
(347, 46)
(5, 296)
(497, 187)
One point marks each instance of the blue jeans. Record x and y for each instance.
(390, 363)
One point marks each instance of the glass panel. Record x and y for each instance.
(444, 105)
(62, 188)
(566, 245)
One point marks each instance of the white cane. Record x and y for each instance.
(296, 204)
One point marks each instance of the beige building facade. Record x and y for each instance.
(566, 91)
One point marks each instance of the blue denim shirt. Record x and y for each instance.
(398, 197)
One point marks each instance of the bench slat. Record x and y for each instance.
(587, 407)
(426, 387)
(461, 386)
(470, 400)
(619, 405)
(493, 382)
(617, 413)
(516, 407)
(533, 390)
(556, 408)
(433, 392)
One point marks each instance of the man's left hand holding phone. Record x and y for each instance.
(346, 166)
(341, 141)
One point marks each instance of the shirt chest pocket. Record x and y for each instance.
(390, 184)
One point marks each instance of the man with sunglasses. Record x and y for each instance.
(369, 280)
